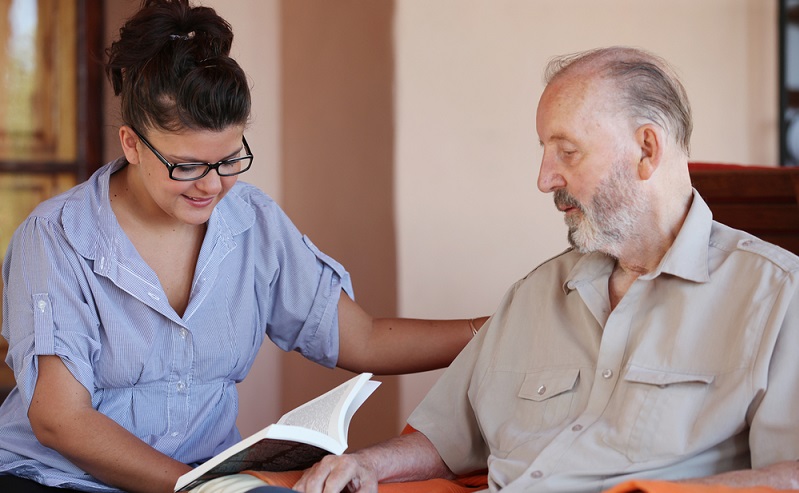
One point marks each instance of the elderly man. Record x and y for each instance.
(661, 345)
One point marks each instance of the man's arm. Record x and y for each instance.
(410, 457)
(782, 476)
(391, 346)
(63, 419)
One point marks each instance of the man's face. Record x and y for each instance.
(589, 163)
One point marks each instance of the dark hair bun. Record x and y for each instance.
(172, 69)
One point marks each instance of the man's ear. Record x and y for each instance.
(650, 139)
(129, 140)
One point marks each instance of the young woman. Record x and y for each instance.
(134, 302)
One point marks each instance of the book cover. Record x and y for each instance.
(298, 440)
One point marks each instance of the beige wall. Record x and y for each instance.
(467, 220)
(337, 153)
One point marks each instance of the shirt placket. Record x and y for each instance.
(180, 387)
(610, 360)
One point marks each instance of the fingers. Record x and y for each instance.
(335, 474)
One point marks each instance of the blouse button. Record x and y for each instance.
(541, 390)
(577, 427)
(536, 474)
(607, 373)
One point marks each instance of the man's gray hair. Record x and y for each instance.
(649, 87)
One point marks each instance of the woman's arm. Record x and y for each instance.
(396, 345)
(63, 419)
(410, 457)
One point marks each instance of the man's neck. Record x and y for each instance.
(644, 252)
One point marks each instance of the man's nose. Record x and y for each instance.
(549, 178)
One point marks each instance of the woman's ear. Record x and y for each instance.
(129, 140)
(650, 139)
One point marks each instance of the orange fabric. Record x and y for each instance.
(463, 484)
(652, 486)
(285, 479)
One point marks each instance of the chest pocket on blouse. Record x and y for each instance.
(544, 400)
(655, 413)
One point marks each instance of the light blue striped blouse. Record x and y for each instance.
(76, 287)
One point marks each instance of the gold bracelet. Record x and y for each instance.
(474, 329)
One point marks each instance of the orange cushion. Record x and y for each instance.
(653, 486)
(463, 484)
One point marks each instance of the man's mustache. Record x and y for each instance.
(564, 201)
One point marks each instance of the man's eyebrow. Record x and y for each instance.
(556, 138)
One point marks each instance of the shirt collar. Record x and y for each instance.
(88, 221)
(96, 236)
(686, 258)
(688, 255)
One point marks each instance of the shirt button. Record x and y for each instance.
(183, 333)
(577, 427)
(536, 474)
(541, 390)
(42, 305)
(174, 433)
(181, 386)
(607, 373)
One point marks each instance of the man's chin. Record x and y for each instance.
(577, 242)
(583, 243)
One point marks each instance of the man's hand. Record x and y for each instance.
(409, 457)
(336, 473)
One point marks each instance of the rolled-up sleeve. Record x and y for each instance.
(305, 286)
(45, 313)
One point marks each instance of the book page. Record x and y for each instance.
(328, 412)
(319, 414)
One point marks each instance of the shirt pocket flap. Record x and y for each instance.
(545, 384)
(651, 376)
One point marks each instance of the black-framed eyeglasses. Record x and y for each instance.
(195, 171)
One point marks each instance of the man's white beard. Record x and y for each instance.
(609, 222)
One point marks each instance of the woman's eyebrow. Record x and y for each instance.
(184, 159)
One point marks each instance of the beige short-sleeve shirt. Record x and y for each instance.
(693, 373)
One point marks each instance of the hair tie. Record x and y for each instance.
(182, 37)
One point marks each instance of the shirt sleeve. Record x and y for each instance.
(446, 416)
(304, 287)
(774, 434)
(45, 306)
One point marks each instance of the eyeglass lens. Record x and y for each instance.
(191, 171)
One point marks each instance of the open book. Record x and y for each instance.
(297, 441)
